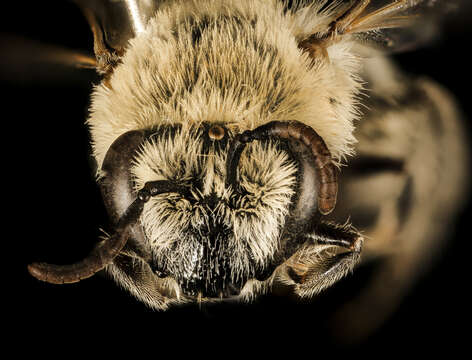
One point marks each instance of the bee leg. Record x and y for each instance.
(330, 253)
(107, 56)
(137, 277)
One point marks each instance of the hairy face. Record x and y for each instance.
(212, 239)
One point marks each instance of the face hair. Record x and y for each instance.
(252, 221)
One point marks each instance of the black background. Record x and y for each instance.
(54, 213)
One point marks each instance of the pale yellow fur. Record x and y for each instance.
(321, 95)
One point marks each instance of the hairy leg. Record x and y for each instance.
(329, 253)
(137, 277)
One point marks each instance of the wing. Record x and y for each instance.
(114, 23)
(409, 25)
(31, 61)
(392, 25)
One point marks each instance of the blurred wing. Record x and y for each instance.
(30, 61)
(402, 25)
(17, 47)
(114, 23)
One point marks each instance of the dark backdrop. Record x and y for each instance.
(54, 212)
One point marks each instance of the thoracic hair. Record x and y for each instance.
(235, 62)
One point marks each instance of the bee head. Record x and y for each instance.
(233, 201)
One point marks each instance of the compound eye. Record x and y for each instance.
(116, 185)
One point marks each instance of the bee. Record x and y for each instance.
(259, 147)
